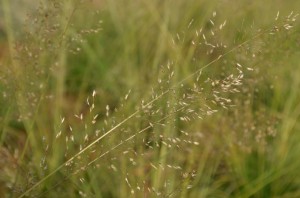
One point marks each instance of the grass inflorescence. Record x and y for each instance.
(149, 99)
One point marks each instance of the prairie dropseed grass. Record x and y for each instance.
(149, 99)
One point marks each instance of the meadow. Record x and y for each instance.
(130, 98)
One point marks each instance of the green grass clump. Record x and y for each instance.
(149, 99)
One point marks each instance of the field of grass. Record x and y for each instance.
(150, 98)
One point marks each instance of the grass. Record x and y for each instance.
(149, 99)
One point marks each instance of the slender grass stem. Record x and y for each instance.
(136, 112)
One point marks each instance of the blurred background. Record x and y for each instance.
(227, 126)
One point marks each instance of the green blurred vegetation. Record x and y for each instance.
(134, 52)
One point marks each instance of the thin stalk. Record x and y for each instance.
(137, 111)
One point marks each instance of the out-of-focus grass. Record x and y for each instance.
(249, 150)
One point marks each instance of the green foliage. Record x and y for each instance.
(149, 99)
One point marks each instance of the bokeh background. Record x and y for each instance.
(199, 139)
